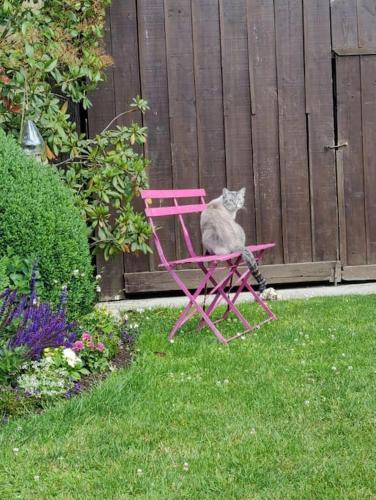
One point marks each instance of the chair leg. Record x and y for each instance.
(244, 280)
(192, 302)
(221, 294)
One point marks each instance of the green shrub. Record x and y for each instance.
(4, 279)
(38, 221)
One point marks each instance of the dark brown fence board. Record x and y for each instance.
(126, 69)
(350, 130)
(237, 107)
(261, 46)
(368, 87)
(366, 23)
(99, 115)
(209, 98)
(359, 273)
(344, 24)
(286, 273)
(153, 70)
(182, 98)
(292, 130)
(319, 105)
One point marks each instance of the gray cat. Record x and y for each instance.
(222, 235)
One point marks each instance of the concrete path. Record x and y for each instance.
(285, 294)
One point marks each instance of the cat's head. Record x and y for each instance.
(233, 200)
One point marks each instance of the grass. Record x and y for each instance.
(287, 413)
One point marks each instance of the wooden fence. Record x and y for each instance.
(254, 93)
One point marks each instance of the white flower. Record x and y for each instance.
(98, 277)
(350, 367)
(16, 450)
(76, 272)
(306, 402)
(226, 381)
(36, 478)
(334, 368)
(186, 466)
(71, 357)
(139, 472)
(98, 289)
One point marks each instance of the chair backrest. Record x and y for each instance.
(175, 196)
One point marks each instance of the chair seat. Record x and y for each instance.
(218, 258)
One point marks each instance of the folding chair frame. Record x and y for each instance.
(208, 266)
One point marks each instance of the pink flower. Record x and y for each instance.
(86, 336)
(100, 347)
(91, 345)
(78, 345)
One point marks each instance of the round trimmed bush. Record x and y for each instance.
(38, 220)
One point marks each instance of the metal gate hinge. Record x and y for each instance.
(338, 146)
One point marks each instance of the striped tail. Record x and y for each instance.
(253, 267)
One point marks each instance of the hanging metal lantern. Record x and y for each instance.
(32, 141)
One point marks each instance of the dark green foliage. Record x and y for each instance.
(10, 363)
(38, 221)
(16, 272)
(14, 403)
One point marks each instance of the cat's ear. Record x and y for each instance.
(225, 191)
(242, 191)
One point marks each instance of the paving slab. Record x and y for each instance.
(116, 307)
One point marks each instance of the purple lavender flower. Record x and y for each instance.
(40, 327)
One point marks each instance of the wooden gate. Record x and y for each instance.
(354, 43)
(241, 94)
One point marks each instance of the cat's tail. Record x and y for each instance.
(253, 267)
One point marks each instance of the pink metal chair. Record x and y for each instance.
(208, 265)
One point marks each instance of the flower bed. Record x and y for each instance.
(44, 357)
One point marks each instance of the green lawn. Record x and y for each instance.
(290, 412)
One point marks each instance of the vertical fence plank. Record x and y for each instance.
(181, 87)
(367, 23)
(99, 115)
(237, 107)
(209, 102)
(261, 43)
(344, 24)
(127, 85)
(292, 129)
(319, 105)
(153, 69)
(350, 130)
(368, 88)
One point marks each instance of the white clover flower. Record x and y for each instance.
(16, 450)
(36, 478)
(71, 357)
(76, 272)
(350, 367)
(334, 368)
(306, 402)
(186, 466)
(139, 472)
(98, 277)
